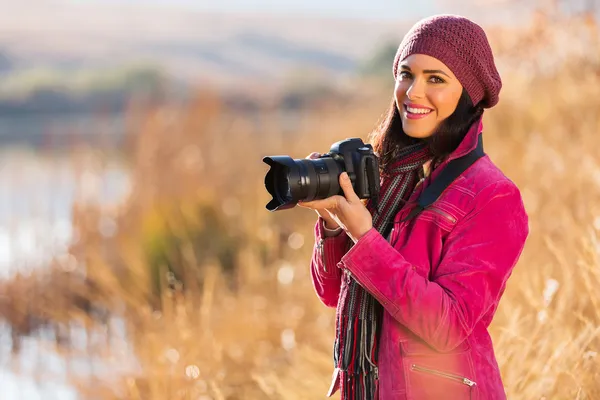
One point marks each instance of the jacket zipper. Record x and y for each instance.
(376, 371)
(457, 378)
(322, 253)
(442, 213)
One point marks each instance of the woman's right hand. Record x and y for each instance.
(323, 213)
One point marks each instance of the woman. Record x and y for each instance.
(416, 292)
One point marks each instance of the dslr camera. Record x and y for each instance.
(291, 180)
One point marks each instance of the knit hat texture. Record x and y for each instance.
(460, 44)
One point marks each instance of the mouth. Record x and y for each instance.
(416, 113)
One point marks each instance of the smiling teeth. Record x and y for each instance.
(417, 110)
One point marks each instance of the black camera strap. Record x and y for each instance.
(373, 182)
(452, 171)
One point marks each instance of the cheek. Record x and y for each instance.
(445, 101)
(400, 91)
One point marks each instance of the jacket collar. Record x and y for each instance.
(468, 144)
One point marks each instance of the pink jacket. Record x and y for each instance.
(439, 279)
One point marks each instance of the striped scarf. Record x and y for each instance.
(360, 315)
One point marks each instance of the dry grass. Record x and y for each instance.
(214, 291)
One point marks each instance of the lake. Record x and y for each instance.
(37, 191)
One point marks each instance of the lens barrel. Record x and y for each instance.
(290, 180)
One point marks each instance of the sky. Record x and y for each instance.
(396, 9)
(399, 10)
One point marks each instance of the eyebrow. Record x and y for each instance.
(426, 71)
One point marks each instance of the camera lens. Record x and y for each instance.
(281, 180)
(290, 180)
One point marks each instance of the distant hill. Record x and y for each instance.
(226, 49)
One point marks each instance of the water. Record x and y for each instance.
(23, 386)
(36, 196)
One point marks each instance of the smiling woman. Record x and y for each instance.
(416, 291)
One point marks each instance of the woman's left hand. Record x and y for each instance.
(348, 210)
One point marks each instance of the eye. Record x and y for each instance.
(404, 74)
(437, 79)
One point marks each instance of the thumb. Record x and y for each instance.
(346, 185)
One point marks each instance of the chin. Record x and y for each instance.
(417, 133)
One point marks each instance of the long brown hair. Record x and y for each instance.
(389, 137)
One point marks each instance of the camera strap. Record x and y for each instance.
(448, 175)
(373, 181)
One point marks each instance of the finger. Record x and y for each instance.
(330, 202)
(316, 204)
(346, 185)
(313, 155)
(310, 204)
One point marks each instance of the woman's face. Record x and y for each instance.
(427, 93)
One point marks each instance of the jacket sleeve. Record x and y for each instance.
(325, 274)
(478, 258)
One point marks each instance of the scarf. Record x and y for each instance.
(359, 319)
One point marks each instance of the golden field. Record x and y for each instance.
(200, 293)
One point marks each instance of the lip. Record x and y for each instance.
(413, 105)
(415, 116)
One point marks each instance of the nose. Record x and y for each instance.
(416, 90)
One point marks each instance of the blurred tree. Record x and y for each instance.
(178, 244)
(379, 65)
(147, 79)
(303, 86)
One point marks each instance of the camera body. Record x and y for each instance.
(360, 162)
(290, 180)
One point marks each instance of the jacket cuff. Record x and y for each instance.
(331, 232)
(362, 261)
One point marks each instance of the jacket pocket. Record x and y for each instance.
(432, 375)
(445, 375)
(441, 215)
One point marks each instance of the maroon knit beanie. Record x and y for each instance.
(463, 46)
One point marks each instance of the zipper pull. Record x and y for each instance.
(469, 382)
(322, 253)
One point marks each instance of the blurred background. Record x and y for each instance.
(137, 259)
